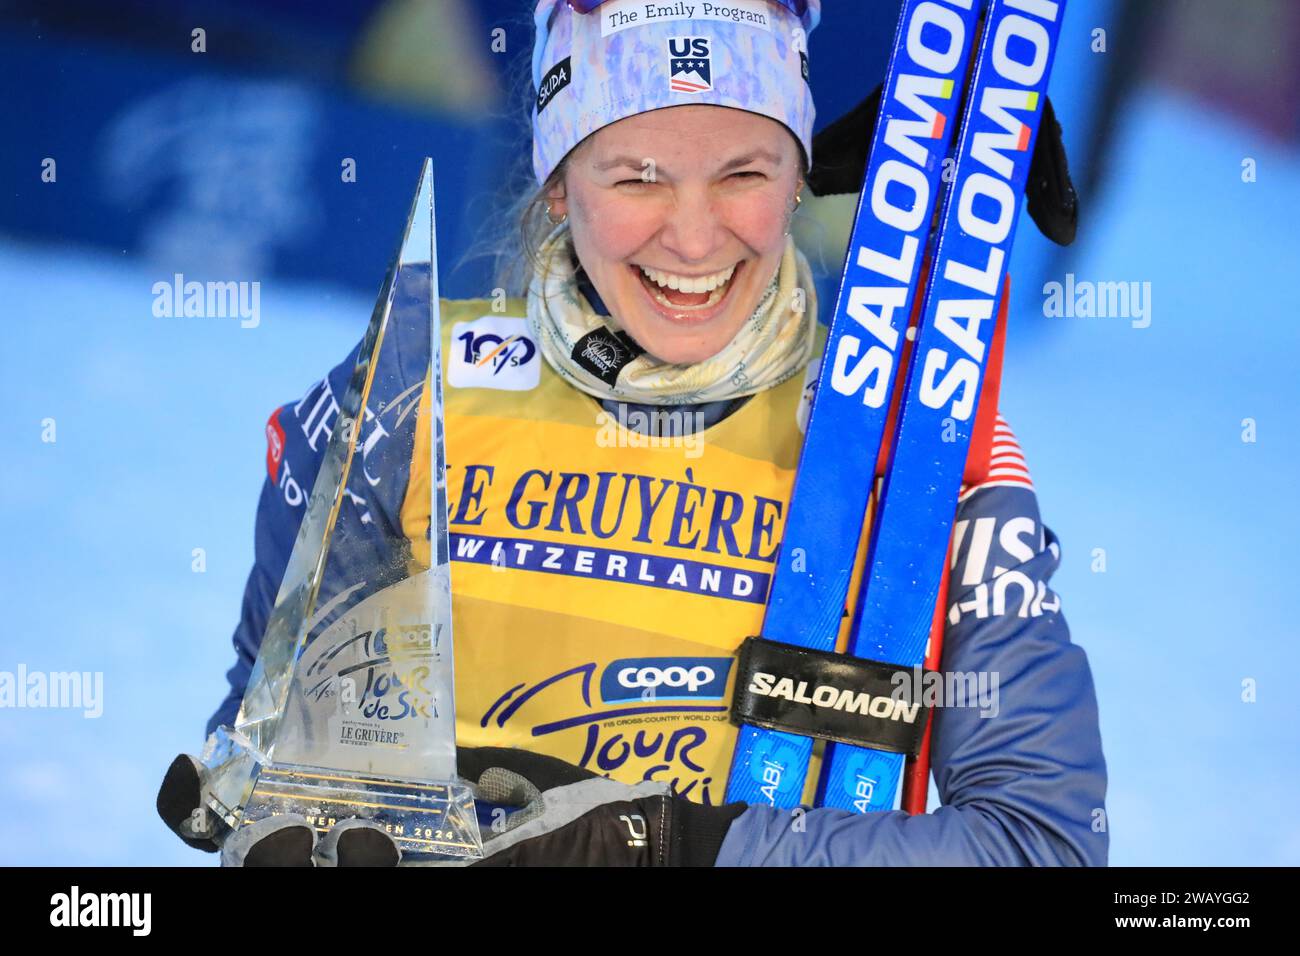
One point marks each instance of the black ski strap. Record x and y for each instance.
(829, 696)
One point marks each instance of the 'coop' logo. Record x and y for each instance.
(665, 678)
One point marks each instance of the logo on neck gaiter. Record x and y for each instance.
(604, 353)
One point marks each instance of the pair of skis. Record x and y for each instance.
(906, 177)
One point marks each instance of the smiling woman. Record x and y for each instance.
(671, 152)
(682, 244)
(622, 442)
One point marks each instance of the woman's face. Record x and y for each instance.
(679, 218)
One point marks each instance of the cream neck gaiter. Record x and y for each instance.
(593, 354)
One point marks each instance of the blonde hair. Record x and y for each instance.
(532, 225)
(513, 216)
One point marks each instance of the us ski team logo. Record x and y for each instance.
(690, 68)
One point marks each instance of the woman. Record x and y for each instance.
(618, 481)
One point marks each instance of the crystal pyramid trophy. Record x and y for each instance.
(349, 709)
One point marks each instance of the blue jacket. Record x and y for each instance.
(1024, 787)
(1024, 784)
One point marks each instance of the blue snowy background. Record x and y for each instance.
(226, 164)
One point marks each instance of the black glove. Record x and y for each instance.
(562, 816)
(572, 817)
(840, 163)
(283, 840)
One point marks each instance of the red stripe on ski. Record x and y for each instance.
(916, 775)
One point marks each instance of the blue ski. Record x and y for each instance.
(918, 502)
(919, 105)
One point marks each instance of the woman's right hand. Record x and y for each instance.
(281, 840)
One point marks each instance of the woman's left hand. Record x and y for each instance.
(566, 816)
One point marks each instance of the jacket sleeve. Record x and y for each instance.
(367, 538)
(1023, 781)
(296, 436)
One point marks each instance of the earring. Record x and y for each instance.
(550, 216)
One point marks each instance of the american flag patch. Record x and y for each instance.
(1006, 462)
(690, 68)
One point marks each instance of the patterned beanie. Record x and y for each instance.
(599, 61)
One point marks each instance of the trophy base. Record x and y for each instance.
(426, 821)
